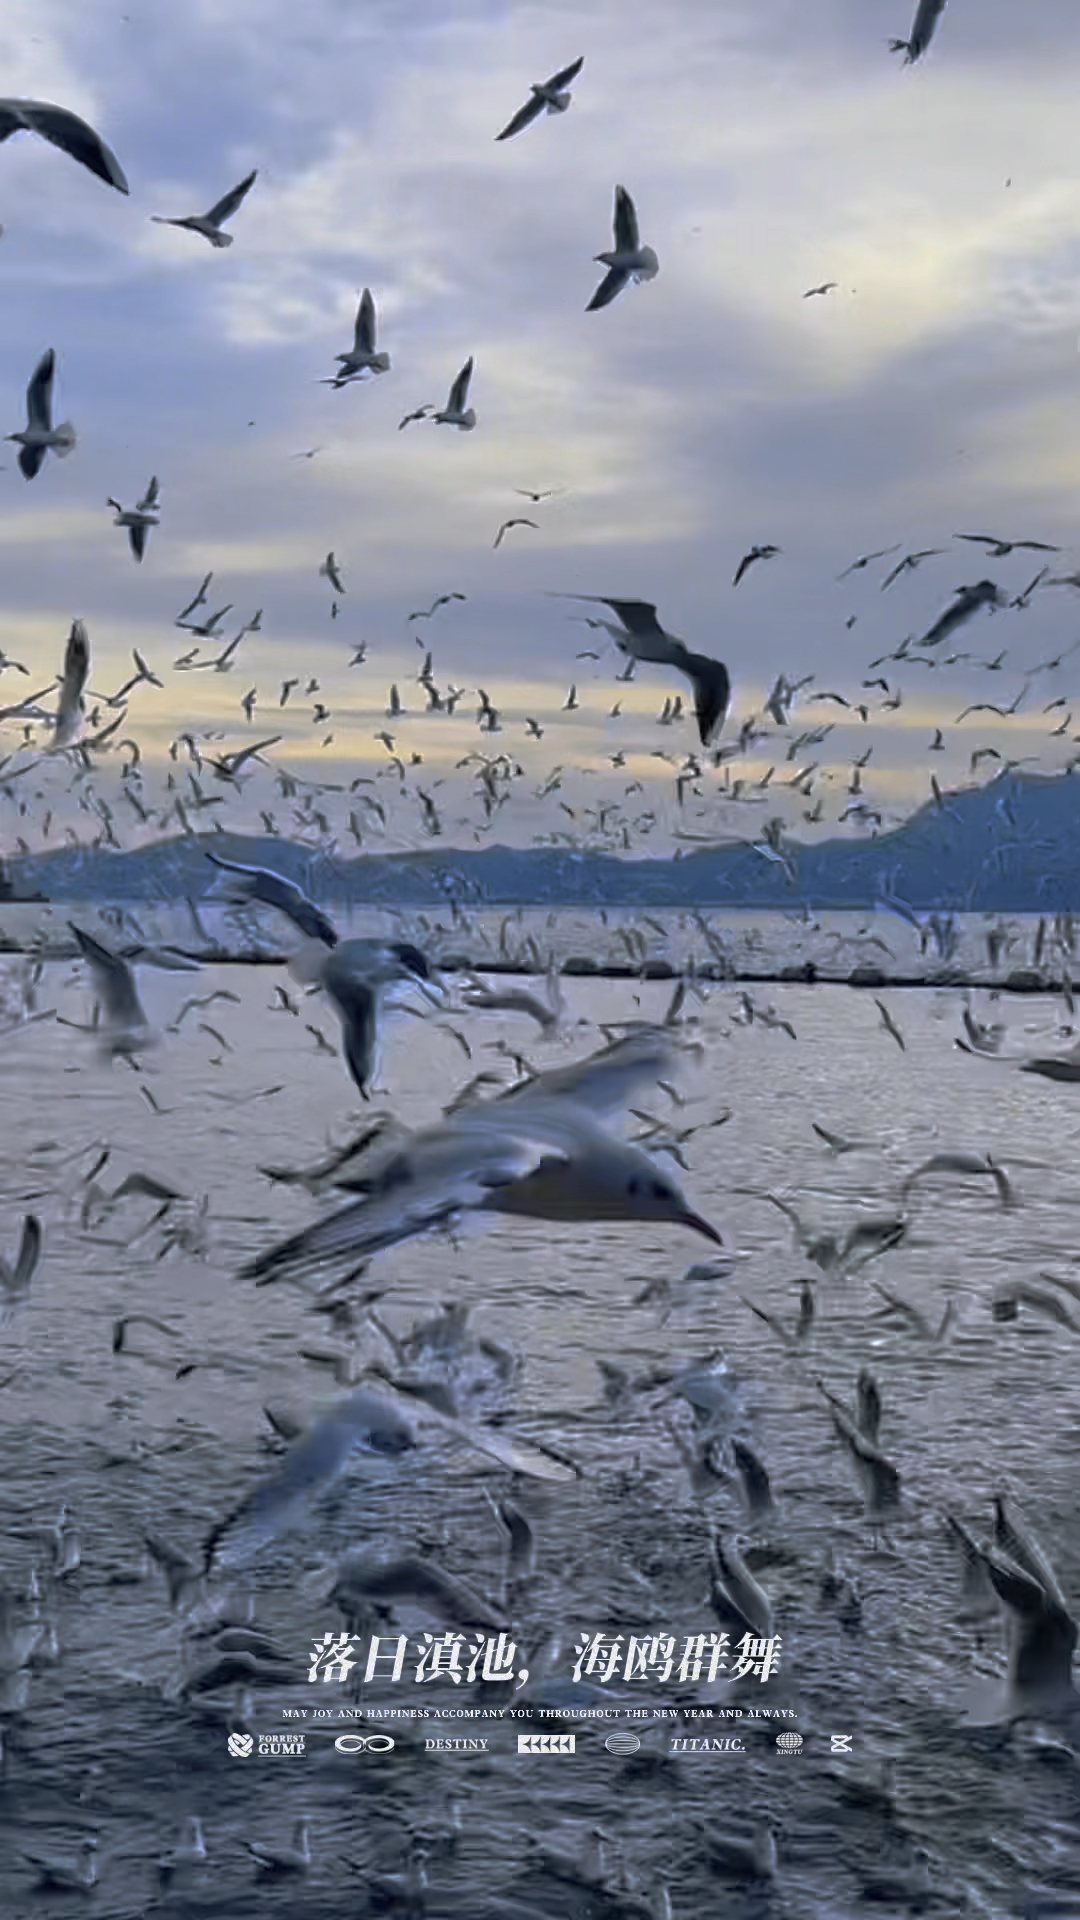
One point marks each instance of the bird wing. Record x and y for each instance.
(712, 691)
(746, 561)
(113, 979)
(138, 537)
(64, 130)
(605, 1081)
(420, 1184)
(363, 1420)
(927, 15)
(29, 1251)
(612, 283)
(76, 671)
(31, 461)
(39, 393)
(357, 1003)
(625, 223)
(523, 117)
(565, 74)
(274, 890)
(150, 498)
(460, 389)
(364, 332)
(228, 204)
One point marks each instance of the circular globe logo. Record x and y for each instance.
(240, 1744)
(622, 1743)
(789, 1742)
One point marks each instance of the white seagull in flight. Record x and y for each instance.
(39, 436)
(629, 260)
(66, 131)
(363, 357)
(454, 413)
(69, 707)
(552, 96)
(138, 519)
(210, 224)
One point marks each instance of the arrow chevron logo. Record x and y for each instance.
(547, 1743)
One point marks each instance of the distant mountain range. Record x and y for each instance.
(1008, 847)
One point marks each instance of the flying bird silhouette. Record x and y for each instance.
(454, 413)
(628, 260)
(643, 638)
(551, 96)
(210, 224)
(39, 436)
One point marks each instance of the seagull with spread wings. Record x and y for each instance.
(628, 260)
(551, 96)
(538, 1150)
(138, 519)
(362, 357)
(210, 224)
(643, 638)
(64, 130)
(39, 436)
(455, 414)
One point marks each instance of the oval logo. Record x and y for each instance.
(622, 1743)
(361, 1742)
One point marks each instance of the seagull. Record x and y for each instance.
(827, 286)
(243, 884)
(908, 564)
(418, 413)
(363, 1421)
(629, 260)
(69, 707)
(353, 973)
(281, 1859)
(644, 638)
(331, 571)
(552, 96)
(453, 414)
(865, 559)
(199, 601)
(997, 549)
(64, 130)
(210, 224)
(128, 1029)
(443, 600)
(39, 436)
(1041, 1632)
(363, 357)
(755, 553)
(538, 1150)
(927, 15)
(966, 601)
(138, 519)
(15, 1281)
(519, 520)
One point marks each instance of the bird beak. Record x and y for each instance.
(701, 1225)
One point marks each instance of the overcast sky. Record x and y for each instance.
(769, 146)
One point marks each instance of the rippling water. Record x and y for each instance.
(127, 1445)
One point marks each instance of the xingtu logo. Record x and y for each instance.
(547, 1743)
(622, 1743)
(789, 1742)
(364, 1742)
(240, 1745)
